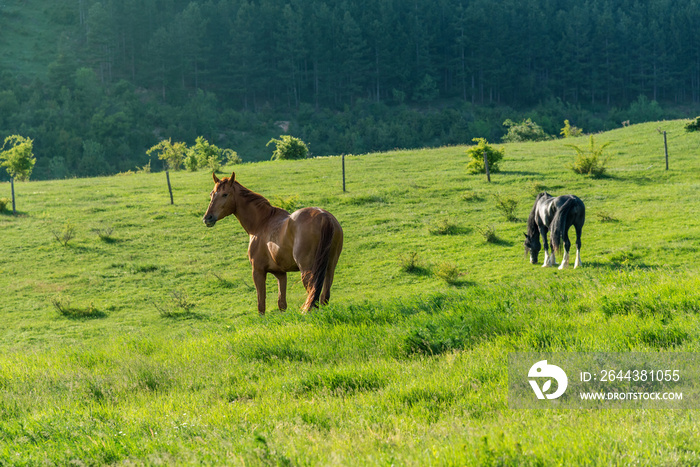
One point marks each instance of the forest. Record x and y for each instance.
(96, 83)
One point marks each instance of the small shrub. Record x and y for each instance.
(470, 196)
(570, 131)
(445, 227)
(693, 125)
(411, 264)
(146, 169)
(105, 234)
(4, 202)
(64, 235)
(144, 268)
(507, 206)
(476, 155)
(448, 272)
(606, 217)
(288, 147)
(180, 306)
(527, 130)
(223, 282)
(63, 307)
(488, 233)
(590, 161)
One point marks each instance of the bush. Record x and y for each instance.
(180, 306)
(63, 307)
(288, 147)
(18, 159)
(411, 264)
(527, 130)
(590, 161)
(172, 153)
(3, 204)
(445, 227)
(570, 131)
(64, 235)
(507, 206)
(231, 157)
(488, 233)
(203, 154)
(449, 272)
(693, 125)
(476, 154)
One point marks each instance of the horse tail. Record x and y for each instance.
(317, 275)
(558, 225)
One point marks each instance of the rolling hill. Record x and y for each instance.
(138, 341)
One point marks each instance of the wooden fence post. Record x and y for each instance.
(486, 166)
(170, 188)
(666, 149)
(343, 157)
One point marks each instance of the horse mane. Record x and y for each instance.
(258, 201)
(532, 228)
(252, 197)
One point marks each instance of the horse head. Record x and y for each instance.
(533, 247)
(223, 200)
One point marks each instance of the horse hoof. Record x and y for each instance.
(563, 266)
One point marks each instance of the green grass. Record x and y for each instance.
(163, 359)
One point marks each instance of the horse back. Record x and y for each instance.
(310, 227)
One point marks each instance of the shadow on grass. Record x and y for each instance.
(616, 266)
(9, 213)
(417, 271)
(111, 240)
(76, 313)
(461, 284)
(500, 242)
(515, 172)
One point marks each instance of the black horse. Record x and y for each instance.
(555, 215)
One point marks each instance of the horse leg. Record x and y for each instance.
(259, 278)
(567, 247)
(545, 244)
(307, 280)
(327, 283)
(578, 247)
(282, 289)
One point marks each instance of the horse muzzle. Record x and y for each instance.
(209, 220)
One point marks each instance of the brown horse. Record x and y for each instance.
(308, 240)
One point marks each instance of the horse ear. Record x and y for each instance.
(216, 179)
(233, 177)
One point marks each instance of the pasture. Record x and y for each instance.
(139, 342)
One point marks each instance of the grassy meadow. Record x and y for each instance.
(137, 340)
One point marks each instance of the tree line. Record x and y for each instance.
(253, 53)
(128, 73)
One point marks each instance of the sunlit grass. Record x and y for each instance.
(404, 366)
